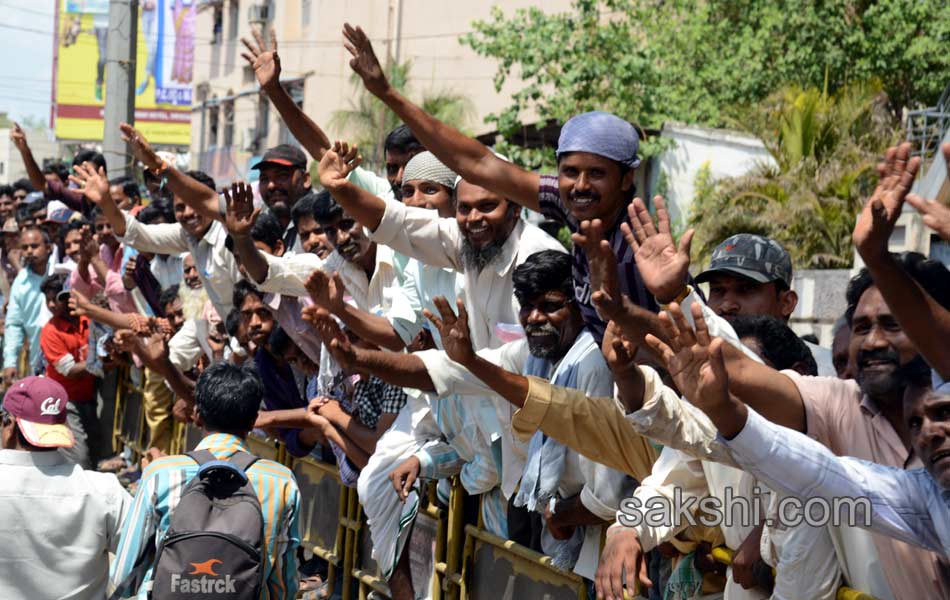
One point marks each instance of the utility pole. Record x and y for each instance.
(120, 83)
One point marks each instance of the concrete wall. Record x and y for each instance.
(728, 154)
(11, 166)
(821, 301)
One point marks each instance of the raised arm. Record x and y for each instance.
(194, 193)
(33, 171)
(337, 163)
(399, 369)
(239, 220)
(79, 306)
(921, 317)
(327, 292)
(266, 64)
(95, 186)
(766, 390)
(464, 155)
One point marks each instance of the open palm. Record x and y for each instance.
(662, 264)
(364, 61)
(456, 339)
(241, 214)
(880, 213)
(264, 60)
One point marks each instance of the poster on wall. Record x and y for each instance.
(164, 69)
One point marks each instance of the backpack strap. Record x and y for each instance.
(242, 460)
(201, 456)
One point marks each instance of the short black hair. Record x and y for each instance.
(326, 210)
(38, 229)
(168, 295)
(233, 322)
(22, 184)
(156, 209)
(306, 205)
(279, 342)
(542, 272)
(129, 187)
(58, 168)
(6, 190)
(92, 156)
(242, 290)
(228, 397)
(401, 139)
(72, 225)
(780, 346)
(202, 178)
(53, 284)
(267, 229)
(931, 275)
(95, 213)
(37, 205)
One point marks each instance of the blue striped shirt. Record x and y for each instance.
(160, 490)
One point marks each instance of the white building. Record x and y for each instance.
(11, 165)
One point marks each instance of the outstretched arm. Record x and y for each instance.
(266, 64)
(921, 317)
(337, 163)
(239, 220)
(33, 171)
(197, 195)
(395, 368)
(467, 157)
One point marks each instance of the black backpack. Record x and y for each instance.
(214, 547)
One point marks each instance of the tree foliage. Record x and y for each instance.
(702, 62)
(823, 149)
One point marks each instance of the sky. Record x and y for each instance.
(27, 67)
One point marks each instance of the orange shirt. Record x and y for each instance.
(64, 344)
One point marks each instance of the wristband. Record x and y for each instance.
(161, 168)
(679, 299)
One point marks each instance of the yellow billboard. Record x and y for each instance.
(164, 69)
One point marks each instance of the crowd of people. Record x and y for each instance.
(596, 404)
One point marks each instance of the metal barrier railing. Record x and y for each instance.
(469, 563)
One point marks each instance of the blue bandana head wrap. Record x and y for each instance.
(603, 134)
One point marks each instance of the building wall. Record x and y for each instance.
(728, 154)
(11, 165)
(311, 48)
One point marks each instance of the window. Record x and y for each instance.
(1, 168)
(213, 112)
(227, 108)
(305, 8)
(218, 26)
(234, 9)
(295, 91)
(249, 76)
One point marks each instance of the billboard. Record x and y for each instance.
(164, 69)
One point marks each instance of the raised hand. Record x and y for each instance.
(94, 183)
(686, 351)
(78, 304)
(661, 263)
(151, 350)
(140, 147)
(331, 335)
(404, 477)
(263, 60)
(606, 295)
(326, 291)
(618, 350)
(622, 555)
(241, 214)
(128, 275)
(935, 215)
(881, 211)
(337, 163)
(18, 137)
(456, 338)
(364, 61)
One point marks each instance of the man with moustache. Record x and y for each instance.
(27, 311)
(284, 179)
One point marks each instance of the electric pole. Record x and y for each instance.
(120, 83)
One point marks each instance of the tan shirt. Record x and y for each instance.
(841, 417)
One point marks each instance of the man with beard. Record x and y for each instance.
(597, 159)
(26, 309)
(400, 144)
(575, 496)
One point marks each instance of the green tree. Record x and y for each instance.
(696, 61)
(368, 120)
(823, 149)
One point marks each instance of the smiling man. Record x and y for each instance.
(284, 180)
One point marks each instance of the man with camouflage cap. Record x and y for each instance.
(752, 275)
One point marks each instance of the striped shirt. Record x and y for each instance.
(160, 490)
(631, 284)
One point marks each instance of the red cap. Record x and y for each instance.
(39, 406)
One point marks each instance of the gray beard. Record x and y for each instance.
(478, 258)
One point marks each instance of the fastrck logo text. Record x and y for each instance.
(215, 584)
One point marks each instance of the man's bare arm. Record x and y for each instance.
(33, 171)
(467, 157)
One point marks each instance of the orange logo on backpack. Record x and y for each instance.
(205, 568)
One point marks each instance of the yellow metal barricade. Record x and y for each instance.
(130, 429)
(323, 510)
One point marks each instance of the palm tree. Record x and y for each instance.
(823, 149)
(368, 120)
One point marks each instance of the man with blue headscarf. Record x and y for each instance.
(597, 159)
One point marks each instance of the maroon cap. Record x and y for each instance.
(39, 406)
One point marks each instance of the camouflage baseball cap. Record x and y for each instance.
(751, 256)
